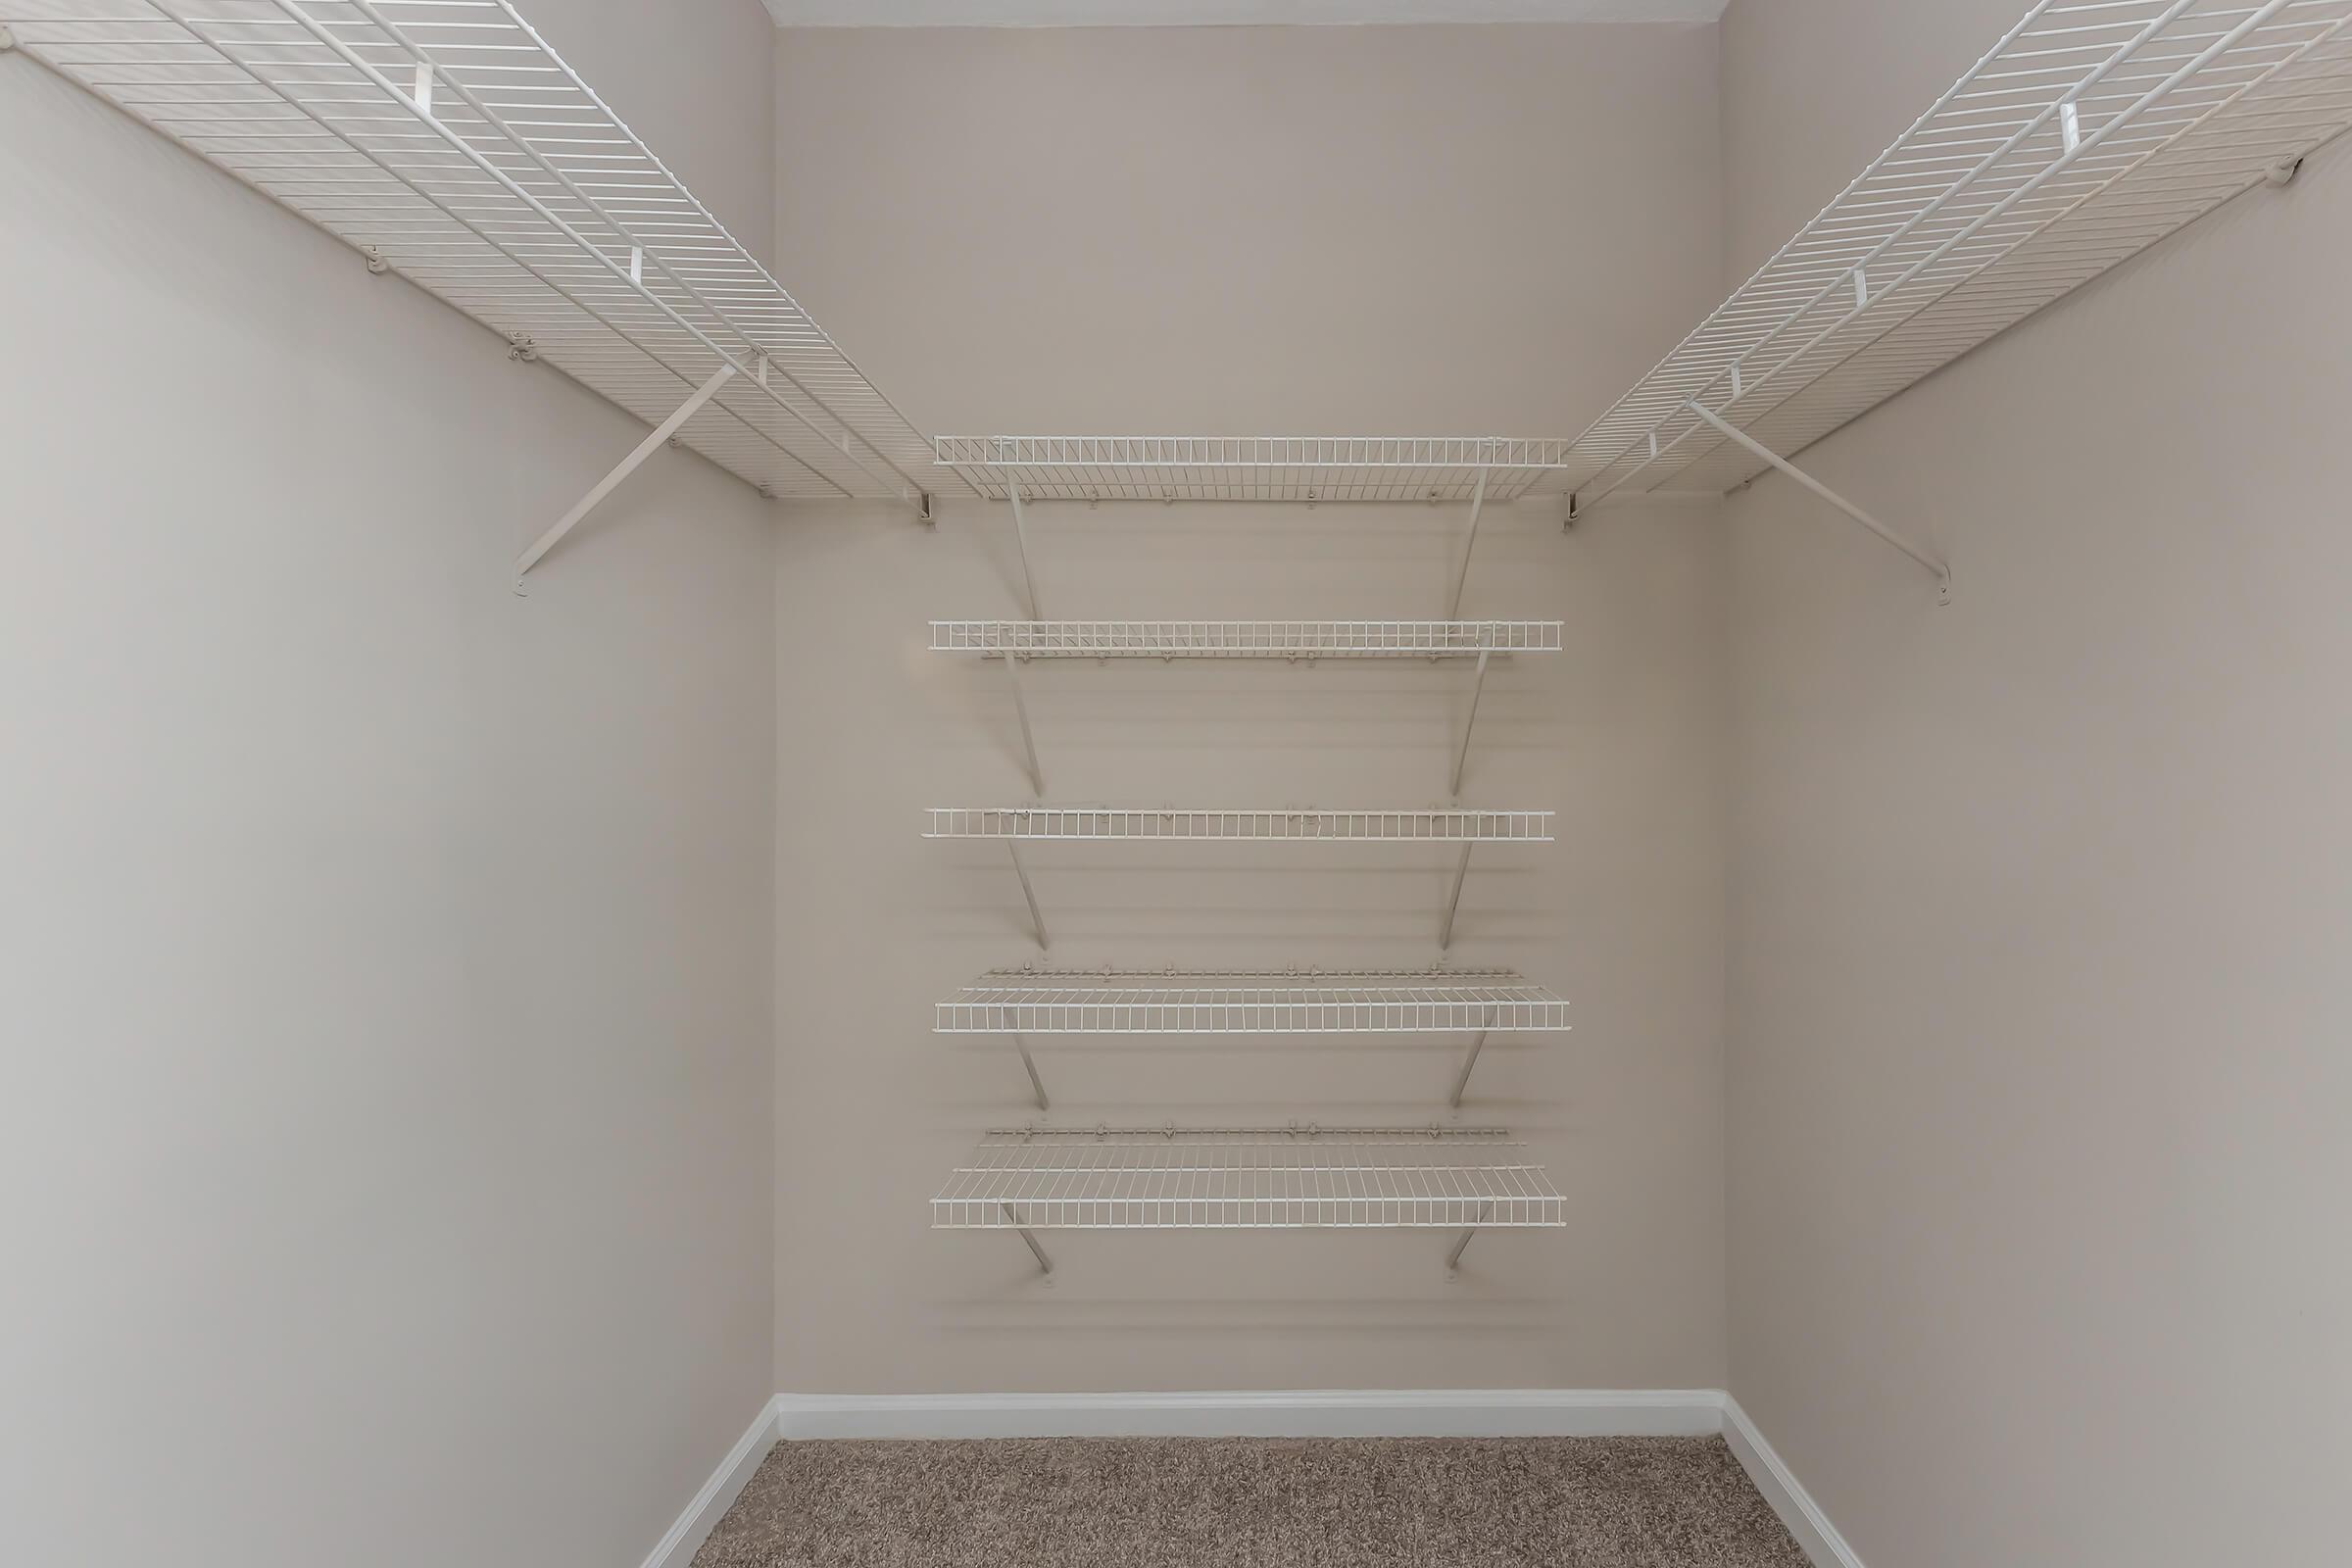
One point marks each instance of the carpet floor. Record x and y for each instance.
(1240, 1502)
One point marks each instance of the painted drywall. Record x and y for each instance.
(2036, 1084)
(384, 1153)
(1330, 229)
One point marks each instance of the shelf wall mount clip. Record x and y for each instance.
(1935, 564)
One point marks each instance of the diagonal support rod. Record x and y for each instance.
(1461, 1080)
(1012, 847)
(1020, 707)
(1462, 578)
(1461, 753)
(629, 464)
(1453, 1259)
(1943, 573)
(1037, 1085)
(1021, 539)
(1045, 1263)
(1453, 901)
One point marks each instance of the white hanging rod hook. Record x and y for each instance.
(1943, 571)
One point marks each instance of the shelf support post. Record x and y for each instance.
(1941, 571)
(1477, 502)
(1453, 901)
(1462, 1078)
(1037, 1085)
(1044, 1263)
(1020, 707)
(1012, 847)
(1020, 540)
(1461, 753)
(1453, 1259)
(604, 487)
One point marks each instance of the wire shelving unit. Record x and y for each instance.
(1246, 639)
(1287, 469)
(1161, 1001)
(447, 142)
(2094, 129)
(1465, 1179)
(1435, 825)
(1037, 1000)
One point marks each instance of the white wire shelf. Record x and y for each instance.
(1435, 826)
(447, 139)
(2093, 130)
(1308, 469)
(1246, 639)
(1252, 1178)
(1043, 1001)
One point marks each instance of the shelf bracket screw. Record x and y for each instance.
(520, 349)
(375, 260)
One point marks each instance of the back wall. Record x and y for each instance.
(1266, 231)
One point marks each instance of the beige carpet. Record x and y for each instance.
(1246, 1502)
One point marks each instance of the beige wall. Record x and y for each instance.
(383, 1144)
(2037, 1067)
(1331, 230)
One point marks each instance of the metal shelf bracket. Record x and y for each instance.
(1021, 539)
(1453, 1259)
(1012, 847)
(645, 449)
(1461, 1079)
(1453, 902)
(1943, 571)
(1478, 503)
(1037, 1085)
(1020, 707)
(1045, 1264)
(1461, 753)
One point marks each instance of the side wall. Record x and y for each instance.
(1333, 229)
(383, 1146)
(2036, 1071)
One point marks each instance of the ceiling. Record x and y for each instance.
(1219, 12)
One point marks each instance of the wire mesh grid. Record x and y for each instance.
(1045, 1002)
(1448, 825)
(446, 138)
(1246, 639)
(1252, 1178)
(2090, 131)
(1062, 468)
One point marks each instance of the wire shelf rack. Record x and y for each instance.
(1045, 1001)
(1444, 825)
(446, 141)
(1249, 1177)
(1246, 639)
(2093, 130)
(1308, 469)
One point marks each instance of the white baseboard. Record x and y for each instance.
(709, 1505)
(1276, 1413)
(1797, 1510)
